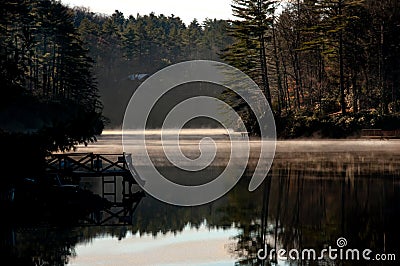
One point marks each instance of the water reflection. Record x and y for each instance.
(307, 206)
(311, 199)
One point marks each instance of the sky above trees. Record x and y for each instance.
(186, 10)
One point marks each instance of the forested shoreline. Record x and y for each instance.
(329, 68)
(49, 100)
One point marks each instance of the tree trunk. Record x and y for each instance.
(341, 65)
(278, 70)
(264, 67)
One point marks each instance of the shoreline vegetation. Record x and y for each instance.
(50, 99)
(329, 69)
(334, 126)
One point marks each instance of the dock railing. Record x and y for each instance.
(116, 181)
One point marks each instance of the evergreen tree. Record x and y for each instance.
(192, 39)
(47, 76)
(249, 32)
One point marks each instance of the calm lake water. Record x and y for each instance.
(316, 193)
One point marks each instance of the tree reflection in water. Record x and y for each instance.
(313, 204)
(309, 202)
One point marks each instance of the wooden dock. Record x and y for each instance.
(89, 164)
(110, 169)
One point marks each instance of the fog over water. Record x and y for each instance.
(319, 190)
(111, 141)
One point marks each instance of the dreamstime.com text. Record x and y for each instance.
(331, 253)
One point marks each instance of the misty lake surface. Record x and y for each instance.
(316, 192)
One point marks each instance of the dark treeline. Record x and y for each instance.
(330, 66)
(126, 49)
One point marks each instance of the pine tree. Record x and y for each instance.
(249, 32)
(192, 39)
(129, 41)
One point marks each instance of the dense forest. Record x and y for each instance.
(126, 50)
(327, 67)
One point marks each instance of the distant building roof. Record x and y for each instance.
(138, 76)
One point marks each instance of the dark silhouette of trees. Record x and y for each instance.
(49, 95)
